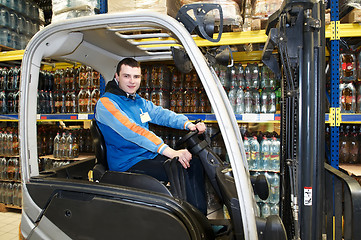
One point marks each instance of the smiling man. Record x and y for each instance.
(123, 118)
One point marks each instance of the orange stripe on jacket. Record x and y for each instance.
(126, 122)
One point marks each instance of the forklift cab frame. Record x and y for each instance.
(63, 204)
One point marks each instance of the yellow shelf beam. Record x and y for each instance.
(228, 38)
(11, 55)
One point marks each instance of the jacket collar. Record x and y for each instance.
(113, 87)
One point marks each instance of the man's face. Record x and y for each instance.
(129, 78)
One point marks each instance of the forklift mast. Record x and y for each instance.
(297, 30)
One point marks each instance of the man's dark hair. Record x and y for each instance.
(131, 62)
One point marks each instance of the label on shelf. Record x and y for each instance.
(83, 116)
(251, 117)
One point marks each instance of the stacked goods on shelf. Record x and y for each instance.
(72, 9)
(73, 90)
(9, 143)
(348, 78)
(10, 172)
(350, 81)
(10, 193)
(263, 157)
(260, 11)
(10, 169)
(183, 95)
(270, 205)
(169, 7)
(63, 144)
(9, 90)
(264, 154)
(252, 89)
(350, 142)
(19, 21)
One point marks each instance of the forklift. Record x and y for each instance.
(62, 203)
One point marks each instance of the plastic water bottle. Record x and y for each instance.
(248, 108)
(240, 76)
(233, 81)
(274, 181)
(239, 101)
(275, 154)
(254, 153)
(95, 95)
(348, 98)
(247, 149)
(69, 147)
(265, 154)
(56, 151)
(264, 102)
(62, 146)
(3, 103)
(247, 76)
(255, 77)
(256, 102)
(232, 96)
(275, 209)
(266, 210)
(272, 102)
(75, 146)
(1, 144)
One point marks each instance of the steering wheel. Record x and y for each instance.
(185, 138)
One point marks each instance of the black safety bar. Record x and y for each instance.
(342, 205)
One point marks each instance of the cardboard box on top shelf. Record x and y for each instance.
(327, 16)
(352, 17)
(169, 7)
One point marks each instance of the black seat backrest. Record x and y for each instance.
(99, 145)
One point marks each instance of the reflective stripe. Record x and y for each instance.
(186, 123)
(127, 123)
(160, 148)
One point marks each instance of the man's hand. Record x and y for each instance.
(201, 127)
(184, 156)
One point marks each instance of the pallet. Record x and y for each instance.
(352, 17)
(9, 208)
(5, 48)
(258, 24)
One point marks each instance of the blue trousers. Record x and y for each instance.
(194, 178)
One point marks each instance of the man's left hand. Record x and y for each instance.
(201, 127)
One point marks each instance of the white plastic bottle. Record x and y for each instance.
(232, 96)
(248, 108)
(69, 147)
(265, 154)
(56, 151)
(239, 101)
(62, 146)
(275, 154)
(255, 149)
(275, 188)
(266, 210)
(1, 144)
(275, 209)
(247, 149)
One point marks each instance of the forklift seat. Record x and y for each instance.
(101, 164)
(102, 174)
